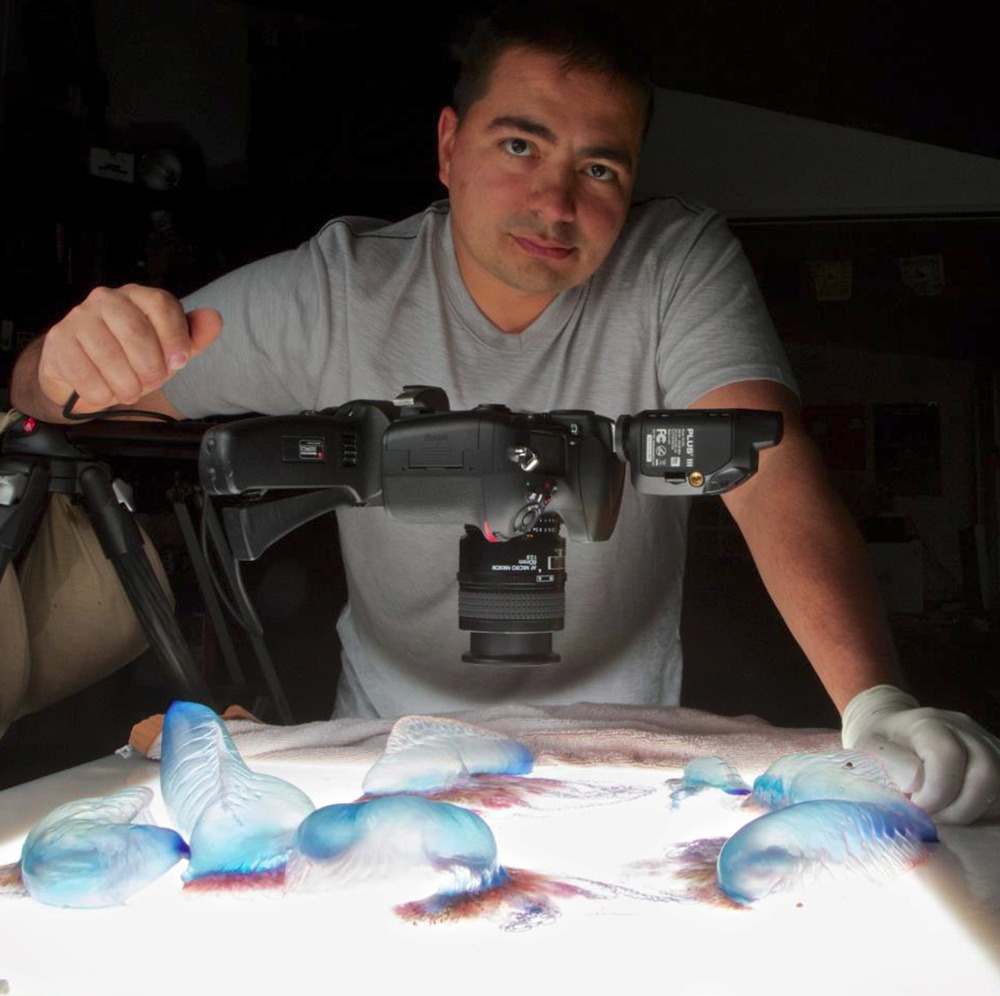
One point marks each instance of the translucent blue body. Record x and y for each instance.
(425, 754)
(798, 844)
(707, 772)
(237, 821)
(847, 776)
(397, 836)
(852, 776)
(90, 853)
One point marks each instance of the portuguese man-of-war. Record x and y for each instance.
(237, 821)
(427, 754)
(431, 861)
(847, 775)
(455, 762)
(842, 776)
(806, 842)
(413, 846)
(707, 772)
(93, 852)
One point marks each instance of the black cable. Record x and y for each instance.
(203, 574)
(247, 619)
(68, 413)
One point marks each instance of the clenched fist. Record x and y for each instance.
(121, 344)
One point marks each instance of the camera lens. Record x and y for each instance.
(511, 595)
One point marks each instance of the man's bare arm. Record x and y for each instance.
(115, 349)
(809, 552)
(816, 568)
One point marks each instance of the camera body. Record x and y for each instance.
(511, 479)
(500, 470)
(490, 466)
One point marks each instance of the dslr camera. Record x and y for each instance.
(513, 481)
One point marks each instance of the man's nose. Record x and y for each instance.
(553, 194)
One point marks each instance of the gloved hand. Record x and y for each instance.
(945, 761)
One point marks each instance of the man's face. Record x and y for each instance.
(540, 173)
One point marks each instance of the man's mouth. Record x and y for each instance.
(550, 250)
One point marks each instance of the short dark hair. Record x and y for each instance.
(588, 36)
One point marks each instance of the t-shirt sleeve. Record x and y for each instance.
(714, 326)
(277, 328)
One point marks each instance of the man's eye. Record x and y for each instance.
(517, 146)
(601, 172)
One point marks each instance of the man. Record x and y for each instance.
(537, 287)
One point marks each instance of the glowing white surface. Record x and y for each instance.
(902, 938)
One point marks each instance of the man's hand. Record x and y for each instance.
(946, 761)
(120, 345)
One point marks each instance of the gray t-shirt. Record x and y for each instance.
(364, 307)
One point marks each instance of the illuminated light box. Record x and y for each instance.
(601, 845)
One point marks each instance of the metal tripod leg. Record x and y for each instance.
(122, 544)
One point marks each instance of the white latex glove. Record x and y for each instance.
(945, 761)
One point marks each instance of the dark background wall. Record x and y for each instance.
(281, 115)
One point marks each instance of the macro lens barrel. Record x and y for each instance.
(511, 595)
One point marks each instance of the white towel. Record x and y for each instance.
(584, 733)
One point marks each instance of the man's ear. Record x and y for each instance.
(447, 129)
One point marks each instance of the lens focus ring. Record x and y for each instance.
(512, 605)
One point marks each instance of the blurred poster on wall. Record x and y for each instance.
(830, 279)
